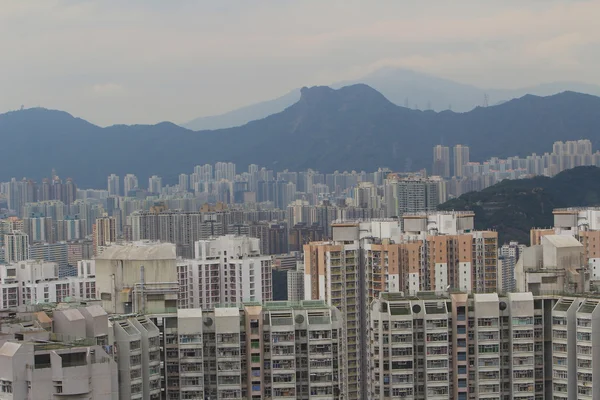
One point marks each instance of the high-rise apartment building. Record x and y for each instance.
(459, 347)
(155, 184)
(449, 254)
(412, 194)
(16, 247)
(226, 270)
(273, 237)
(365, 259)
(225, 171)
(295, 282)
(114, 185)
(130, 183)
(277, 350)
(184, 183)
(39, 228)
(508, 255)
(441, 161)
(104, 232)
(38, 370)
(574, 350)
(461, 158)
(53, 252)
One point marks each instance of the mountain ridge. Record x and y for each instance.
(352, 128)
(400, 86)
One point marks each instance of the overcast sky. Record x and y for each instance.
(144, 61)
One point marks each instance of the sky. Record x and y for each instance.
(146, 61)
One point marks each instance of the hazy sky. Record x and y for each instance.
(144, 61)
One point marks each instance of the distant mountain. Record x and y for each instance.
(352, 128)
(514, 207)
(245, 114)
(402, 87)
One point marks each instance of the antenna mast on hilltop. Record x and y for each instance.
(486, 99)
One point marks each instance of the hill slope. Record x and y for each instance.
(351, 128)
(513, 207)
(400, 86)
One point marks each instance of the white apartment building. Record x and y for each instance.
(575, 356)
(295, 282)
(457, 347)
(226, 270)
(16, 246)
(279, 350)
(56, 370)
(34, 282)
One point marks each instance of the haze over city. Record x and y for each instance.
(299, 200)
(114, 62)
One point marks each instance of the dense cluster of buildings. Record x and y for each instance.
(167, 292)
(467, 176)
(425, 307)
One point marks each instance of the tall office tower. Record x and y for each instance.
(130, 182)
(155, 184)
(224, 171)
(458, 347)
(441, 161)
(104, 232)
(461, 158)
(16, 247)
(184, 183)
(114, 185)
(229, 269)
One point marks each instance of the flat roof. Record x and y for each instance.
(562, 240)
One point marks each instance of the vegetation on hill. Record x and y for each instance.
(513, 207)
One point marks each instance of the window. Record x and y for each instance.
(5, 386)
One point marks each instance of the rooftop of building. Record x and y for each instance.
(572, 210)
(563, 241)
(139, 251)
(421, 214)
